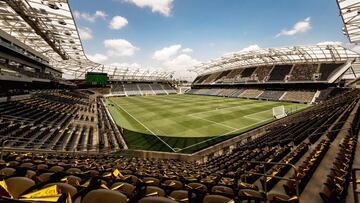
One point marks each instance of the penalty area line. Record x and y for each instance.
(144, 126)
(228, 133)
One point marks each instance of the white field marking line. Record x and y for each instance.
(225, 108)
(228, 133)
(145, 127)
(249, 115)
(262, 121)
(212, 121)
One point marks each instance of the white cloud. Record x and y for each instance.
(85, 33)
(299, 27)
(161, 6)
(187, 50)
(119, 47)
(117, 22)
(252, 47)
(181, 61)
(166, 53)
(89, 17)
(180, 65)
(173, 58)
(329, 43)
(98, 58)
(100, 14)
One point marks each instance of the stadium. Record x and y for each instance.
(277, 124)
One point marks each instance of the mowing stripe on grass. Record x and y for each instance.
(213, 122)
(144, 126)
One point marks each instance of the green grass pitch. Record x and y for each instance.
(187, 123)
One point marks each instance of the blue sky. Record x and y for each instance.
(174, 35)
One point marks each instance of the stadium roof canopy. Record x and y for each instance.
(48, 26)
(278, 56)
(350, 12)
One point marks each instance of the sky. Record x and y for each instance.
(175, 35)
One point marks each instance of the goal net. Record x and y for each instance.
(279, 112)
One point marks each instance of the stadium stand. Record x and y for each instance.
(140, 89)
(145, 89)
(279, 72)
(64, 121)
(232, 75)
(262, 72)
(168, 88)
(247, 72)
(118, 88)
(132, 89)
(298, 96)
(327, 69)
(251, 93)
(238, 175)
(61, 144)
(304, 72)
(271, 95)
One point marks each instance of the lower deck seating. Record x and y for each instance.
(132, 89)
(139, 89)
(271, 95)
(62, 121)
(118, 88)
(146, 89)
(251, 93)
(299, 96)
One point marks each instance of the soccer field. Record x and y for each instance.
(187, 123)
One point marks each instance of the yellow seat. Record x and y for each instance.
(104, 196)
(64, 188)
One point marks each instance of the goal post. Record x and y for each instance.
(279, 112)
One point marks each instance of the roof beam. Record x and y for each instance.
(39, 27)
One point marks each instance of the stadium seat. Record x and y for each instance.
(156, 200)
(154, 191)
(64, 188)
(217, 199)
(124, 188)
(250, 195)
(180, 195)
(18, 185)
(104, 196)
